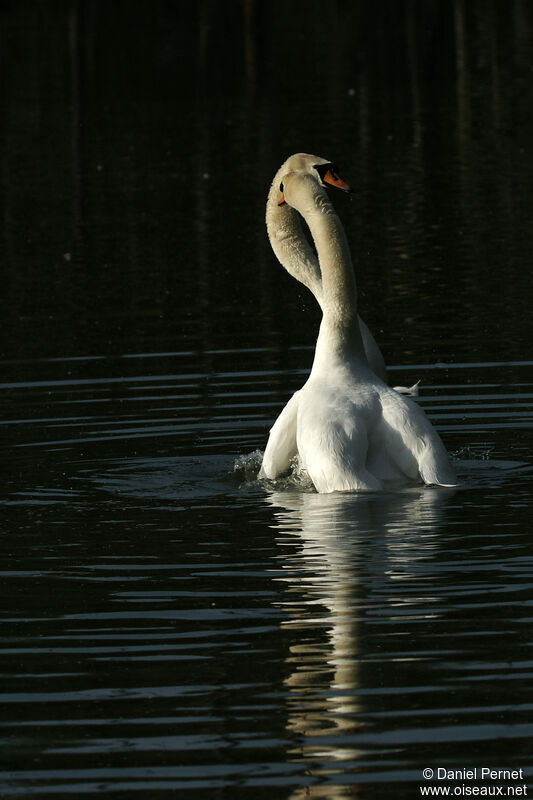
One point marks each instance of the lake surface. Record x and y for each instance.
(170, 625)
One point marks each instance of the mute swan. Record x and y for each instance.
(350, 430)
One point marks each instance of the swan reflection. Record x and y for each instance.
(343, 555)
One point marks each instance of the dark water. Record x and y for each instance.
(169, 625)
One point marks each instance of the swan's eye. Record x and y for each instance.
(281, 188)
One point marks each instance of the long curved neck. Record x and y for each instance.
(289, 243)
(339, 332)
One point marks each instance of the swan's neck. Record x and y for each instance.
(340, 335)
(289, 243)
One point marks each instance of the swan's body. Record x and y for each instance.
(350, 430)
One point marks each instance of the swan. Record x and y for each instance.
(349, 429)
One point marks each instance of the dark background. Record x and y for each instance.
(139, 139)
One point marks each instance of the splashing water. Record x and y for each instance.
(247, 467)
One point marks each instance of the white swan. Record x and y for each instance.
(350, 430)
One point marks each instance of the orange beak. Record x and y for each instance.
(333, 180)
(282, 201)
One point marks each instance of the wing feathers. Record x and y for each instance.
(413, 442)
(281, 446)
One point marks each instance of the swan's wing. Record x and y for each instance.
(373, 353)
(413, 443)
(281, 446)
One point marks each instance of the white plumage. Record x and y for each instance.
(350, 430)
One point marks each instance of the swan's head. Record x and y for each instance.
(324, 172)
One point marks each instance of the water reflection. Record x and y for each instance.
(348, 551)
